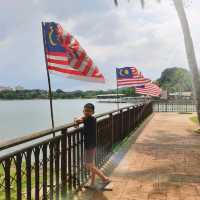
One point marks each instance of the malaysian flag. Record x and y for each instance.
(149, 89)
(65, 56)
(130, 76)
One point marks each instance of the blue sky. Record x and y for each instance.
(149, 39)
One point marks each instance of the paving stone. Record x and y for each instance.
(162, 164)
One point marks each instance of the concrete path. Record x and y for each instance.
(162, 164)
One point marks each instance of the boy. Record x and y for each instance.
(89, 132)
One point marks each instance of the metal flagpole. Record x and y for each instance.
(48, 77)
(117, 91)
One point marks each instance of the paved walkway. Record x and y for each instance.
(162, 164)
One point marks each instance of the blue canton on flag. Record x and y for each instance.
(125, 72)
(140, 86)
(52, 38)
(130, 76)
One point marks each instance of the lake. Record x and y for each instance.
(22, 117)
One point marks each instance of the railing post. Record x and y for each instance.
(83, 174)
(7, 178)
(44, 151)
(69, 161)
(37, 173)
(138, 121)
(141, 113)
(138, 115)
(129, 120)
(134, 114)
(122, 126)
(78, 158)
(19, 176)
(135, 117)
(74, 160)
(51, 179)
(28, 174)
(57, 168)
(112, 129)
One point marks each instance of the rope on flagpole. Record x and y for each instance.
(49, 81)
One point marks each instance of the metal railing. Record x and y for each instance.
(51, 167)
(174, 106)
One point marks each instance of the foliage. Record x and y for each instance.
(175, 79)
(60, 94)
(194, 119)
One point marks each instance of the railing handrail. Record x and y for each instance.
(177, 101)
(47, 132)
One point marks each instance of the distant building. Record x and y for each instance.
(19, 88)
(164, 94)
(109, 96)
(5, 88)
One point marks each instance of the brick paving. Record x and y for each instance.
(162, 163)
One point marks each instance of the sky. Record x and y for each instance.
(149, 39)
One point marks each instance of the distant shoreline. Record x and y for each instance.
(59, 94)
(44, 99)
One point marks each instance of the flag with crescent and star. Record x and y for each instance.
(130, 76)
(65, 56)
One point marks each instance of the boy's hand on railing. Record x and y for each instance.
(77, 121)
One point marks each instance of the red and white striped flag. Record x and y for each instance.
(149, 89)
(130, 76)
(65, 56)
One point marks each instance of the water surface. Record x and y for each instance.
(22, 117)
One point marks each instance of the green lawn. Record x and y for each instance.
(194, 119)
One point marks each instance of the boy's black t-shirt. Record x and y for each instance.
(89, 131)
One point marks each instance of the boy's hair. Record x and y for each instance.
(90, 106)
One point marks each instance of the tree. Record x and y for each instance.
(189, 48)
(175, 79)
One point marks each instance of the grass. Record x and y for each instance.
(14, 183)
(116, 147)
(194, 119)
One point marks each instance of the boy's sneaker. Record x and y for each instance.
(107, 181)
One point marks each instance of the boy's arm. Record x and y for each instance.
(78, 120)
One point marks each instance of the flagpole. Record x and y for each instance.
(117, 91)
(48, 77)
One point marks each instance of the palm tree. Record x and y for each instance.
(189, 48)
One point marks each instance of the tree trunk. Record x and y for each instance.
(189, 48)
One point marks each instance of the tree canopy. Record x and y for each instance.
(172, 79)
(175, 79)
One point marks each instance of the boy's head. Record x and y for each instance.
(88, 109)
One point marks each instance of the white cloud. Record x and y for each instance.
(150, 39)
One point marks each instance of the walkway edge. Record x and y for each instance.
(125, 145)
